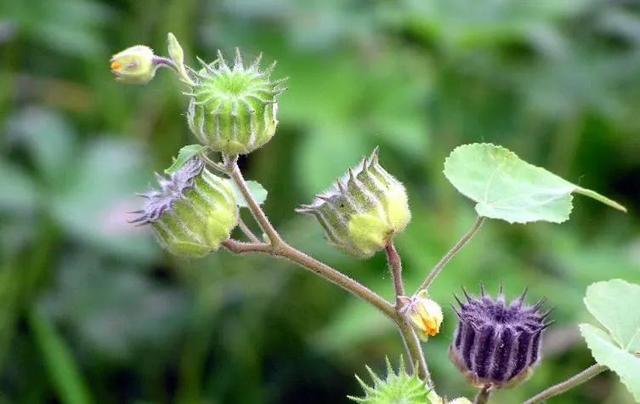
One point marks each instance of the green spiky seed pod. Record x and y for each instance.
(363, 211)
(233, 110)
(398, 387)
(192, 213)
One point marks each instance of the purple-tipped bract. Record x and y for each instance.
(495, 343)
(171, 189)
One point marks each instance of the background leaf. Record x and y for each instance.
(257, 191)
(98, 215)
(613, 303)
(508, 188)
(19, 193)
(605, 352)
(59, 361)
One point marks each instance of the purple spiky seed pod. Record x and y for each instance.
(497, 344)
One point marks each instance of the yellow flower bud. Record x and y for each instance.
(134, 65)
(423, 314)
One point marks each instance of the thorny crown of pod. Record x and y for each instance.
(496, 343)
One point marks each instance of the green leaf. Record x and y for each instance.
(185, 154)
(177, 55)
(175, 50)
(611, 303)
(19, 192)
(61, 366)
(508, 188)
(255, 188)
(605, 352)
(49, 140)
(93, 208)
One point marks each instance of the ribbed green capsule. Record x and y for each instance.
(192, 213)
(363, 210)
(233, 110)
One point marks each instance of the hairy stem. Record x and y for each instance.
(413, 348)
(451, 253)
(161, 61)
(336, 277)
(254, 207)
(395, 267)
(319, 268)
(279, 248)
(247, 231)
(568, 384)
(411, 341)
(483, 395)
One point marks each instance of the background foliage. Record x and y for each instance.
(92, 311)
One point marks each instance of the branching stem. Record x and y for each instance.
(254, 207)
(319, 268)
(277, 247)
(247, 231)
(411, 341)
(451, 253)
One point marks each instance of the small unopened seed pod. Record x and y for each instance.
(497, 344)
(423, 314)
(233, 110)
(363, 210)
(192, 212)
(134, 65)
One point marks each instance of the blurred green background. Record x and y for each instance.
(91, 310)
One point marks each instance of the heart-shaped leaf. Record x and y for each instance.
(185, 154)
(508, 188)
(606, 353)
(616, 305)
